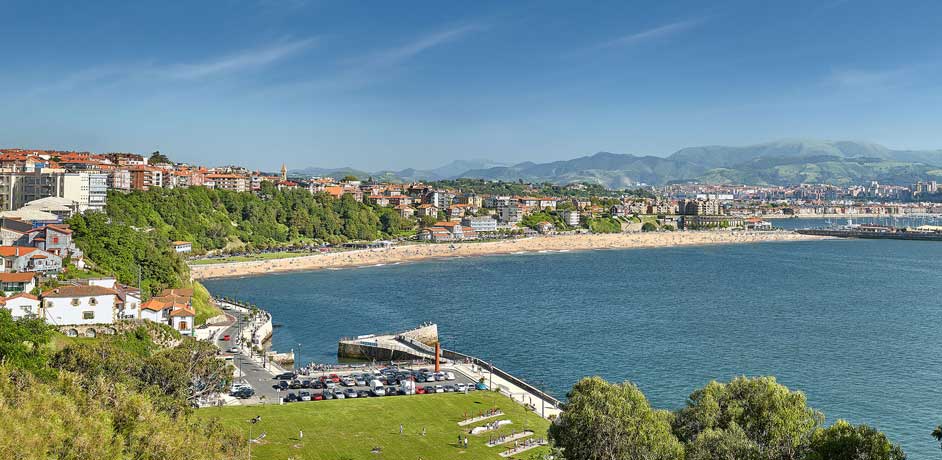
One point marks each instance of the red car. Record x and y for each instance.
(225, 338)
(420, 390)
(318, 397)
(335, 378)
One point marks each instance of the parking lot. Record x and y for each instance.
(368, 383)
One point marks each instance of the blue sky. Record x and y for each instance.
(411, 84)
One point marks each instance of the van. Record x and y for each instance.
(377, 388)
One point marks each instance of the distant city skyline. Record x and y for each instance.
(388, 86)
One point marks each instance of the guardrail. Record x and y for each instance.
(456, 356)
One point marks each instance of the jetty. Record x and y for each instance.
(417, 343)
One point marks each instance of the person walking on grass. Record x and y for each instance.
(400, 429)
(423, 431)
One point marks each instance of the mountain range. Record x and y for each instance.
(786, 162)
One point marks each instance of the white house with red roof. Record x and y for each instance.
(173, 307)
(15, 283)
(28, 259)
(79, 305)
(22, 305)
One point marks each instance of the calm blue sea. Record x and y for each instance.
(852, 323)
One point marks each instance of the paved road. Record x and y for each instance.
(260, 378)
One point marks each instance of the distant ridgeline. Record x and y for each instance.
(774, 163)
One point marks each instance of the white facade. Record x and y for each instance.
(571, 218)
(22, 306)
(79, 305)
(87, 189)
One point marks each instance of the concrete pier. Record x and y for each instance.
(418, 343)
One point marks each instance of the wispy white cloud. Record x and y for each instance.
(242, 61)
(150, 71)
(659, 32)
(364, 70)
(859, 79)
(396, 55)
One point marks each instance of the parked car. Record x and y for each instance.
(282, 385)
(225, 338)
(338, 393)
(450, 375)
(391, 391)
(295, 384)
(420, 390)
(327, 394)
(461, 387)
(350, 393)
(348, 382)
(360, 381)
(330, 384)
(335, 378)
(291, 397)
(439, 389)
(480, 386)
(285, 376)
(365, 394)
(317, 397)
(450, 388)
(305, 396)
(234, 350)
(305, 384)
(317, 385)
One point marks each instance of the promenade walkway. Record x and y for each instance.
(541, 407)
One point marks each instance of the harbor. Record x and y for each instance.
(884, 232)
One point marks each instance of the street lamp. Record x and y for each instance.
(297, 362)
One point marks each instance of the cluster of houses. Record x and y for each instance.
(94, 306)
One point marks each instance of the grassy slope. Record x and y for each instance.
(250, 258)
(349, 429)
(201, 303)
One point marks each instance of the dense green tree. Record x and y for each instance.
(843, 441)
(23, 342)
(649, 227)
(728, 444)
(776, 419)
(158, 158)
(602, 420)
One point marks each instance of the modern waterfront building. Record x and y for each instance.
(483, 224)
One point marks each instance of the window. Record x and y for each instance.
(55, 240)
(93, 301)
(88, 315)
(75, 302)
(183, 326)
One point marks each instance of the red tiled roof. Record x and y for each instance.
(78, 291)
(22, 277)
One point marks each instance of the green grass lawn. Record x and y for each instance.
(251, 258)
(351, 428)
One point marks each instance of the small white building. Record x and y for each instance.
(182, 246)
(15, 283)
(22, 305)
(79, 305)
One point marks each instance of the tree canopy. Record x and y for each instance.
(745, 419)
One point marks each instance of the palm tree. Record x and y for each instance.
(937, 434)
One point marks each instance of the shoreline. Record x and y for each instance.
(557, 243)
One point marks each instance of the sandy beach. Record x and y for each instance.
(414, 252)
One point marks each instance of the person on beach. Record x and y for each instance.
(400, 429)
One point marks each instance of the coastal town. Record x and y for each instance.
(47, 275)
(42, 189)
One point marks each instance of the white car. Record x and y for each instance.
(461, 387)
(439, 377)
(338, 394)
(330, 385)
(234, 350)
(450, 375)
(430, 378)
(439, 389)
(348, 382)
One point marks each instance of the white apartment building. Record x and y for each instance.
(88, 189)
